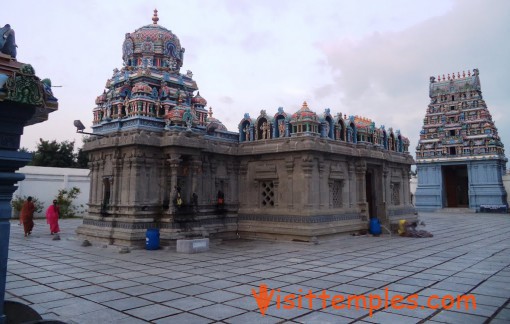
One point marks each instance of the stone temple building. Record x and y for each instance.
(163, 161)
(460, 158)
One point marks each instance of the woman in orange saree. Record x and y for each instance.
(27, 216)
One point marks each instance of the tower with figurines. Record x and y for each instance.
(460, 157)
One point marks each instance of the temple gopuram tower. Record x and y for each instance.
(460, 158)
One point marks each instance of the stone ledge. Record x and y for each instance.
(192, 245)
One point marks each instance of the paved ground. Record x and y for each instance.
(470, 253)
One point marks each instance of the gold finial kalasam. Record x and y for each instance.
(210, 111)
(155, 17)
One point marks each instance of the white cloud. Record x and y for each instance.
(385, 76)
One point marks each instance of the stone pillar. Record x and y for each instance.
(132, 180)
(289, 167)
(233, 172)
(243, 183)
(230, 183)
(24, 104)
(361, 169)
(116, 185)
(322, 196)
(405, 187)
(196, 180)
(174, 162)
(384, 184)
(352, 185)
(10, 162)
(307, 165)
(206, 196)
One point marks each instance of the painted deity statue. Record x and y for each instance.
(247, 132)
(326, 129)
(264, 128)
(126, 104)
(349, 134)
(281, 128)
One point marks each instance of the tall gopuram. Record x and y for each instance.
(163, 161)
(460, 158)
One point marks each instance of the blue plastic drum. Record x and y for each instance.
(375, 226)
(152, 239)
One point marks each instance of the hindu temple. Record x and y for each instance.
(159, 159)
(460, 158)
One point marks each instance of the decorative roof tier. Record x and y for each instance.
(304, 114)
(364, 124)
(150, 85)
(455, 83)
(213, 123)
(305, 122)
(20, 85)
(153, 45)
(199, 100)
(458, 124)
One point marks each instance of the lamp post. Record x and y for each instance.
(24, 100)
(80, 129)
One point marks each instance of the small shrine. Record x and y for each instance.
(460, 157)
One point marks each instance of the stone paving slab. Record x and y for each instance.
(469, 253)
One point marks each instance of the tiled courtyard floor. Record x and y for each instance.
(469, 253)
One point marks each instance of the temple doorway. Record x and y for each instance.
(456, 186)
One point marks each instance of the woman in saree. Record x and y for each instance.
(27, 216)
(52, 215)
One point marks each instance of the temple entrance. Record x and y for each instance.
(456, 188)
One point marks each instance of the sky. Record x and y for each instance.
(366, 57)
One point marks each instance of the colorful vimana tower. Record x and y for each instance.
(460, 158)
(161, 160)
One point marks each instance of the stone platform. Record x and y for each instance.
(469, 253)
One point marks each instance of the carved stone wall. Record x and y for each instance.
(288, 189)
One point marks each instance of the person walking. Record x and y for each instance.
(52, 215)
(27, 216)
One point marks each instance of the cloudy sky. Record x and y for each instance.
(370, 58)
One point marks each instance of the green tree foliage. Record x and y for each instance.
(59, 155)
(82, 159)
(65, 200)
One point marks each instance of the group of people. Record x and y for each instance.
(26, 217)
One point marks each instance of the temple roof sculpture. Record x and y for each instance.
(150, 92)
(150, 86)
(305, 122)
(153, 45)
(19, 84)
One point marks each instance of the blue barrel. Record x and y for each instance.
(152, 239)
(375, 226)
